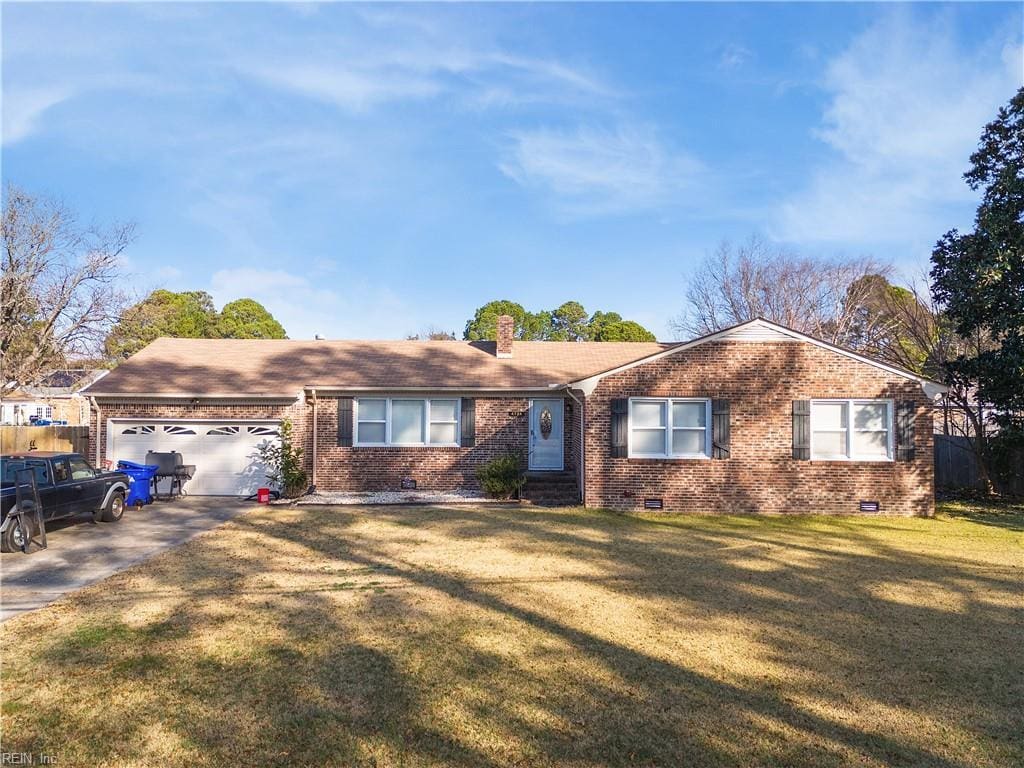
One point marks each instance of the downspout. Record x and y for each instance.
(313, 480)
(99, 431)
(581, 469)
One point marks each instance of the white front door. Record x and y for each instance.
(546, 434)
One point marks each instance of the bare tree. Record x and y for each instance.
(58, 291)
(431, 333)
(808, 294)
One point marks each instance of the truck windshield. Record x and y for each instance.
(11, 467)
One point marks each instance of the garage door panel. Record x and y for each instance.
(226, 454)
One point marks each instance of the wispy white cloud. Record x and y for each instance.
(734, 56)
(346, 87)
(906, 107)
(23, 109)
(306, 307)
(390, 55)
(478, 77)
(591, 172)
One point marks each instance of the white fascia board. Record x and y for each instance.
(131, 396)
(187, 419)
(931, 388)
(509, 391)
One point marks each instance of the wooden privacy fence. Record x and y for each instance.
(955, 463)
(21, 439)
(957, 467)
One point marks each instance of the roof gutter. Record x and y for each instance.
(581, 469)
(326, 390)
(932, 389)
(313, 473)
(98, 430)
(190, 396)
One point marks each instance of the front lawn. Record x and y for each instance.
(505, 636)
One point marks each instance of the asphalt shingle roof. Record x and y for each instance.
(284, 367)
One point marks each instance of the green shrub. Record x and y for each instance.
(284, 463)
(502, 477)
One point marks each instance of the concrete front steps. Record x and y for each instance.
(552, 489)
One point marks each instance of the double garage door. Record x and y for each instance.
(225, 453)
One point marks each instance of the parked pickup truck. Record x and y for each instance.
(68, 485)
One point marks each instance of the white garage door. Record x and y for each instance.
(225, 453)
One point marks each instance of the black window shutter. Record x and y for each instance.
(345, 422)
(620, 427)
(720, 429)
(905, 412)
(468, 436)
(802, 429)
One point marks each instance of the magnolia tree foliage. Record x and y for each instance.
(978, 276)
(569, 322)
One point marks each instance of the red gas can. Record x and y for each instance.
(263, 495)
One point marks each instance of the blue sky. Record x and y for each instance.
(366, 171)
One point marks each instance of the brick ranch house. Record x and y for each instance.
(754, 418)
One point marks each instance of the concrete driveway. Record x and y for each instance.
(80, 552)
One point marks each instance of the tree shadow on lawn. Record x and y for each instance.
(387, 657)
(867, 632)
(944, 628)
(295, 687)
(999, 514)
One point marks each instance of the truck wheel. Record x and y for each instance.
(13, 538)
(114, 509)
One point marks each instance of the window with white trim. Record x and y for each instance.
(372, 422)
(406, 421)
(859, 430)
(669, 428)
(444, 422)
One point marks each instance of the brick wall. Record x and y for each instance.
(573, 436)
(433, 468)
(296, 412)
(339, 468)
(760, 380)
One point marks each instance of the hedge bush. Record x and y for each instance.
(502, 477)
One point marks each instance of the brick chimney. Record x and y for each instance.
(506, 332)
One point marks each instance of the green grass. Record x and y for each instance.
(518, 636)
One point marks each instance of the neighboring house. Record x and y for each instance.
(754, 418)
(954, 419)
(55, 399)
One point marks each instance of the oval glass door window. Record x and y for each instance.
(545, 423)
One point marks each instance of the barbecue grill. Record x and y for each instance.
(171, 467)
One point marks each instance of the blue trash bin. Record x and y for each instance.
(141, 476)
